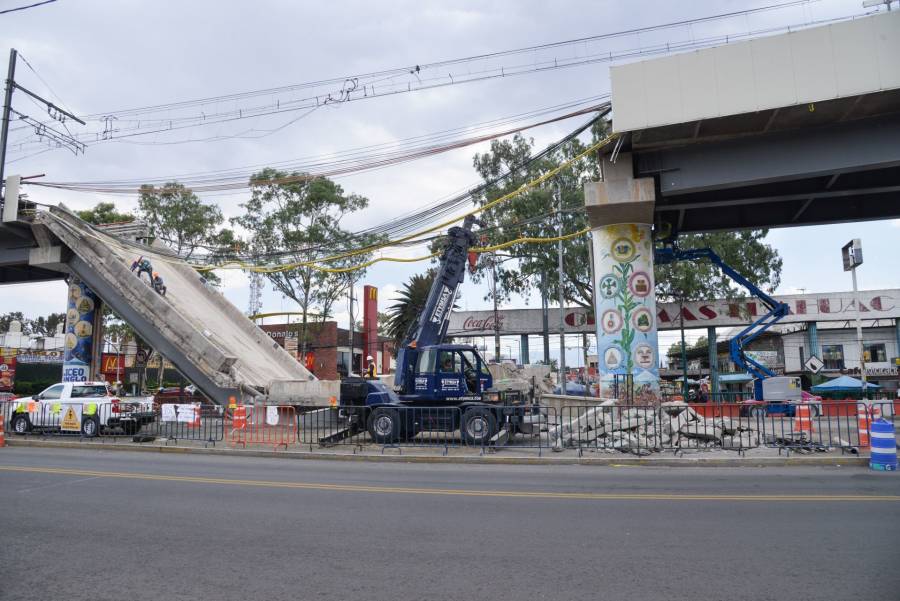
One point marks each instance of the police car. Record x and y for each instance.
(85, 407)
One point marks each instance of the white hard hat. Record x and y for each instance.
(370, 358)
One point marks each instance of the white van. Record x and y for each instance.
(86, 407)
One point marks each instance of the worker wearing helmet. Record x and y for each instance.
(158, 284)
(142, 265)
(370, 370)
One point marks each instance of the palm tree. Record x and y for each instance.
(404, 313)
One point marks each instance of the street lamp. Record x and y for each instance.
(852, 256)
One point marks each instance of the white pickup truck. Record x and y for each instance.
(86, 407)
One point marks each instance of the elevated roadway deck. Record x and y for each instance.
(217, 347)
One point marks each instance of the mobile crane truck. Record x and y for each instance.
(437, 386)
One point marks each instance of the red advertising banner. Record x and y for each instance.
(370, 323)
(7, 373)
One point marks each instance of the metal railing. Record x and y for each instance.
(190, 421)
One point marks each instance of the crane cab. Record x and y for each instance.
(449, 372)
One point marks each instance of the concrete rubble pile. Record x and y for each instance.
(528, 379)
(644, 430)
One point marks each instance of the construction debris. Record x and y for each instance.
(643, 430)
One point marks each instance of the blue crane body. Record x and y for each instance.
(431, 374)
(776, 311)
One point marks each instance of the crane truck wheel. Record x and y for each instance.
(478, 426)
(384, 425)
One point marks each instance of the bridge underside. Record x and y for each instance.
(828, 162)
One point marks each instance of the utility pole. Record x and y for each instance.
(55, 113)
(545, 318)
(562, 303)
(350, 368)
(7, 106)
(496, 313)
(852, 256)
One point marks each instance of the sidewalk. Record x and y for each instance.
(759, 457)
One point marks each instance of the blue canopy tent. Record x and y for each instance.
(843, 384)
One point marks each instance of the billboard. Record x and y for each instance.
(82, 315)
(7, 373)
(826, 306)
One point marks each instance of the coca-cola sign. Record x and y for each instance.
(832, 306)
(486, 324)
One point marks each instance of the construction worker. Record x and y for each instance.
(158, 284)
(143, 266)
(370, 370)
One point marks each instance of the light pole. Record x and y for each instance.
(852, 256)
(562, 304)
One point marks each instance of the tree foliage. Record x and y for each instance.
(745, 251)
(410, 304)
(46, 326)
(105, 212)
(527, 268)
(531, 267)
(11, 316)
(301, 220)
(178, 217)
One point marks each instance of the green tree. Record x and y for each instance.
(178, 217)
(6, 318)
(410, 304)
(300, 220)
(46, 326)
(105, 212)
(223, 246)
(533, 213)
(745, 251)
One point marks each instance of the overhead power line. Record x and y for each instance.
(12, 10)
(163, 119)
(330, 166)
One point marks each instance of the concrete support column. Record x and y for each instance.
(83, 339)
(620, 211)
(813, 333)
(713, 361)
(523, 349)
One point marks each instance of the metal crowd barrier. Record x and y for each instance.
(190, 421)
(809, 428)
(271, 425)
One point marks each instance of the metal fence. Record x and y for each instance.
(266, 425)
(189, 421)
(608, 427)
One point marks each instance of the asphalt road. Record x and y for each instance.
(114, 525)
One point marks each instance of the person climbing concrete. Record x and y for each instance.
(142, 266)
(158, 284)
(371, 373)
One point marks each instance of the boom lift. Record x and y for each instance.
(776, 311)
(433, 374)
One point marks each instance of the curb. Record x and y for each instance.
(802, 461)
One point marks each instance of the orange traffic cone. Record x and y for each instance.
(802, 419)
(862, 422)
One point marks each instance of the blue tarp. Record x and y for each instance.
(841, 384)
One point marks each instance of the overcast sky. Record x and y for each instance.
(106, 56)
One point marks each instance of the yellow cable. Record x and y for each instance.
(484, 249)
(314, 263)
(506, 197)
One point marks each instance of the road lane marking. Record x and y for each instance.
(447, 491)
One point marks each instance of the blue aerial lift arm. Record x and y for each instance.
(776, 310)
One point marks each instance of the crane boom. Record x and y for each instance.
(776, 311)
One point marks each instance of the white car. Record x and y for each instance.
(86, 407)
